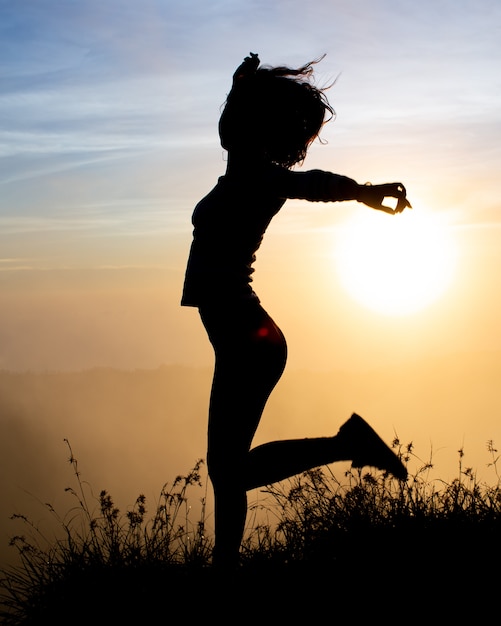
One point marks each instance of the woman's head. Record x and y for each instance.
(273, 113)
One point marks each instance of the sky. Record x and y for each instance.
(109, 138)
(108, 117)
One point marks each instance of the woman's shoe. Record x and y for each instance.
(368, 449)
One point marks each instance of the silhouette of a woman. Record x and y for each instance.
(271, 117)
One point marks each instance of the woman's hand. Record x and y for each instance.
(373, 196)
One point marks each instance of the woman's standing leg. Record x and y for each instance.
(250, 357)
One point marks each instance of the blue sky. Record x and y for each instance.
(108, 116)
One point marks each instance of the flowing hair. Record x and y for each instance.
(273, 113)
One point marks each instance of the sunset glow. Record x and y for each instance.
(395, 265)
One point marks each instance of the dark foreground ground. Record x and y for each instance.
(450, 577)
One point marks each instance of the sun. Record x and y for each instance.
(395, 264)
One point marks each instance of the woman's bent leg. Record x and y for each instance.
(356, 441)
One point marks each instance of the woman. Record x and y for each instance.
(271, 117)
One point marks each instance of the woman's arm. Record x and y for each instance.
(322, 186)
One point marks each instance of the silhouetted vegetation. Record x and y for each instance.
(368, 537)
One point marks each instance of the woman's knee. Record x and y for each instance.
(226, 470)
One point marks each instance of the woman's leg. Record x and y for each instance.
(356, 441)
(250, 357)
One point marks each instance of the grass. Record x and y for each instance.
(366, 539)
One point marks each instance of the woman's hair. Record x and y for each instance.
(273, 113)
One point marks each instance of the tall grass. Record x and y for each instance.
(112, 567)
(99, 548)
(368, 516)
